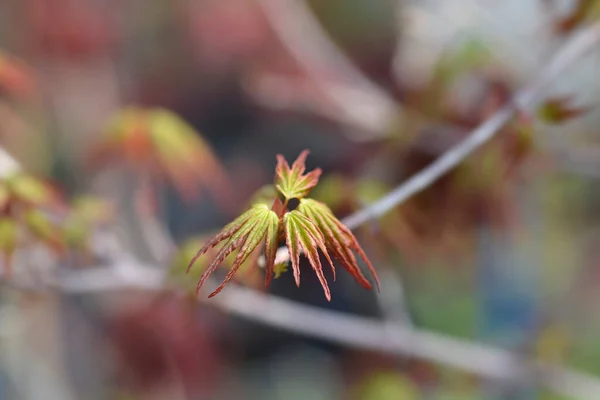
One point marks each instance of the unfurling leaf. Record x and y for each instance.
(310, 228)
(559, 110)
(338, 238)
(302, 235)
(245, 234)
(292, 183)
(247, 274)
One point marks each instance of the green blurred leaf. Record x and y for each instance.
(559, 110)
(8, 235)
(280, 269)
(31, 190)
(4, 195)
(332, 190)
(265, 195)
(92, 209)
(43, 229)
(388, 386)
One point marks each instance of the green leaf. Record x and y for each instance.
(559, 110)
(338, 238)
(183, 155)
(389, 386)
(265, 195)
(302, 235)
(280, 269)
(245, 233)
(92, 209)
(292, 183)
(76, 232)
(31, 190)
(8, 235)
(271, 243)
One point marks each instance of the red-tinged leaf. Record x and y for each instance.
(336, 243)
(292, 182)
(246, 233)
(225, 233)
(185, 156)
(338, 238)
(302, 235)
(293, 247)
(559, 110)
(125, 139)
(160, 143)
(247, 275)
(576, 17)
(271, 243)
(256, 234)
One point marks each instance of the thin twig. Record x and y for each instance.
(352, 331)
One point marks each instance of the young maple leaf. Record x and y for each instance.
(291, 182)
(257, 225)
(246, 275)
(302, 235)
(310, 228)
(339, 240)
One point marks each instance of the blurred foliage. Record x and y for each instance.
(583, 11)
(158, 143)
(25, 204)
(388, 386)
(16, 80)
(87, 213)
(558, 110)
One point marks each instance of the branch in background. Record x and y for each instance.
(523, 99)
(355, 332)
(369, 106)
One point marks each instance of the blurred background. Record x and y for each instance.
(145, 125)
